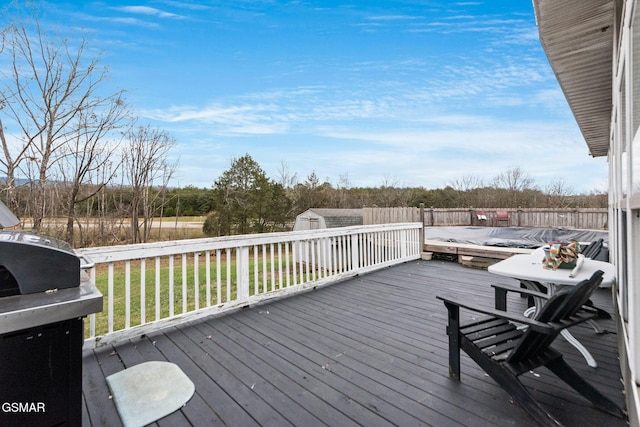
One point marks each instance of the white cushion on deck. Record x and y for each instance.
(146, 392)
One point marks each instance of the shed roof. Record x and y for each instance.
(578, 38)
(339, 217)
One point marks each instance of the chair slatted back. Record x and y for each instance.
(560, 306)
(593, 249)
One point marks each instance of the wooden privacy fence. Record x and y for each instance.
(372, 216)
(581, 218)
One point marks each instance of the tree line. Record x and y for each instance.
(243, 199)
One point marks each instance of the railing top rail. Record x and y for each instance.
(145, 250)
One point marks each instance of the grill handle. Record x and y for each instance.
(85, 262)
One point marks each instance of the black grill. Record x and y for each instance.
(44, 295)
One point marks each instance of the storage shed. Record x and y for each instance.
(318, 219)
(328, 254)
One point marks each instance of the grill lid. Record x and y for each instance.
(31, 263)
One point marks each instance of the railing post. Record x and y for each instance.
(92, 316)
(421, 235)
(355, 253)
(110, 297)
(404, 243)
(242, 272)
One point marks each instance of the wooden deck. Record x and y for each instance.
(369, 351)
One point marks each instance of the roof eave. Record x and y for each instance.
(577, 36)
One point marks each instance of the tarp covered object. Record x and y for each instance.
(512, 237)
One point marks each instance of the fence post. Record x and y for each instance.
(433, 223)
(519, 215)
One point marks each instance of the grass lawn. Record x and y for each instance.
(184, 284)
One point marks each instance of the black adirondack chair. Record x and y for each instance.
(505, 351)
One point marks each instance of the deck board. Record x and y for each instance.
(371, 350)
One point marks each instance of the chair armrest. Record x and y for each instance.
(451, 301)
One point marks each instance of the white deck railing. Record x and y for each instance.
(145, 286)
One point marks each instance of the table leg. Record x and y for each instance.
(551, 289)
(596, 327)
(585, 353)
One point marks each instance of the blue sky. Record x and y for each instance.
(406, 92)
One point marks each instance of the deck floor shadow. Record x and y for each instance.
(368, 351)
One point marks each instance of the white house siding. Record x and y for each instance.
(624, 195)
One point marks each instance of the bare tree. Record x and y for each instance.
(515, 181)
(51, 92)
(342, 190)
(468, 188)
(559, 193)
(286, 178)
(389, 194)
(467, 183)
(145, 162)
(12, 157)
(10, 163)
(89, 154)
(386, 194)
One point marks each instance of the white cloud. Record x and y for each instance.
(149, 11)
(185, 5)
(131, 21)
(228, 120)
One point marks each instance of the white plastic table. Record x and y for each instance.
(529, 267)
